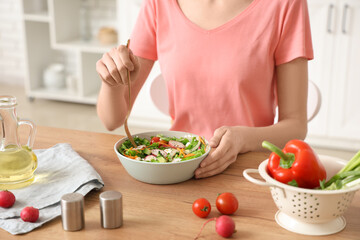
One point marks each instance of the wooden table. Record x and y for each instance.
(164, 211)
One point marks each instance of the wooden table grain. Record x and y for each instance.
(164, 211)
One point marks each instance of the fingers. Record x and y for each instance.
(110, 64)
(104, 73)
(215, 167)
(221, 156)
(216, 162)
(114, 65)
(214, 156)
(120, 67)
(124, 56)
(220, 143)
(134, 60)
(218, 134)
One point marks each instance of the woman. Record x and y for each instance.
(227, 65)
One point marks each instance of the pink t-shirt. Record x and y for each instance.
(223, 76)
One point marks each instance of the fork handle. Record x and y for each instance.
(129, 105)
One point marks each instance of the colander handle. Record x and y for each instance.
(253, 180)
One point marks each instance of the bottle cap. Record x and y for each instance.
(72, 211)
(111, 209)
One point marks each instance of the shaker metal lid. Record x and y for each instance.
(110, 196)
(71, 198)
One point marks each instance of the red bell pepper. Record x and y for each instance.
(297, 164)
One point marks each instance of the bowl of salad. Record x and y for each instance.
(162, 157)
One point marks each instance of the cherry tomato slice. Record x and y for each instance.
(227, 203)
(201, 207)
(154, 139)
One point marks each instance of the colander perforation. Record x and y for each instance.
(305, 206)
(275, 196)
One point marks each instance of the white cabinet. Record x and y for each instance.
(53, 33)
(336, 39)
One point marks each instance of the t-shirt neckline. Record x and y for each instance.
(220, 27)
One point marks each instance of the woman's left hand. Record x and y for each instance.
(226, 145)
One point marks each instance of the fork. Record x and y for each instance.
(129, 105)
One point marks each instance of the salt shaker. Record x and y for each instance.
(72, 211)
(111, 209)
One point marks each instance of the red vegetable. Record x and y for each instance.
(29, 214)
(224, 226)
(227, 203)
(201, 207)
(154, 139)
(297, 164)
(7, 199)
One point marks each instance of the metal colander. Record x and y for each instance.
(308, 211)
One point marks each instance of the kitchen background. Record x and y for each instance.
(36, 34)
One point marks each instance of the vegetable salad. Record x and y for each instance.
(162, 149)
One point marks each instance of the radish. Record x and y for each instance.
(224, 226)
(176, 144)
(29, 214)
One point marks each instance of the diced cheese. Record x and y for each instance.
(176, 160)
(168, 150)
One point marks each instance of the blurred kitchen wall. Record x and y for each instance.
(12, 66)
(11, 43)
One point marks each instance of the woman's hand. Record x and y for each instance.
(113, 66)
(226, 144)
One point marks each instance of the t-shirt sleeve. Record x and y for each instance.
(295, 39)
(143, 37)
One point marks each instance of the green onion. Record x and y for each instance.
(348, 176)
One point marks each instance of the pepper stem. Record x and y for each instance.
(277, 151)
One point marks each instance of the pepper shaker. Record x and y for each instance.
(72, 211)
(111, 209)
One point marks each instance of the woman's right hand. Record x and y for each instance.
(113, 66)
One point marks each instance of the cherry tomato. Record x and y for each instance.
(154, 139)
(227, 203)
(201, 207)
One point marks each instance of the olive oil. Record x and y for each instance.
(17, 163)
(17, 167)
